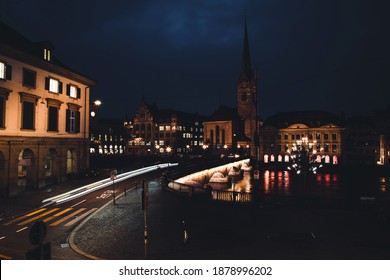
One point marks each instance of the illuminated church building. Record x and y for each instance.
(234, 129)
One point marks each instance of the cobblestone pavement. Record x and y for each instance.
(222, 231)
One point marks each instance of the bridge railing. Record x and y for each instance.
(219, 195)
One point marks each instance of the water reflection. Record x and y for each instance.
(329, 185)
(276, 182)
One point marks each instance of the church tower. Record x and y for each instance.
(247, 95)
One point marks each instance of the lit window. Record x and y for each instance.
(272, 158)
(286, 158)
(280, 158)
(2, 70)
(53, 85)
(327, 159)
(335, 161)
(73, 91)
(161, 128)
(265, 158)
(46, 54)
(167, 127)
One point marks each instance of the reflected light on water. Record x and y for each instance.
(276, 182)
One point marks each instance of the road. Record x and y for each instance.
(60, 220)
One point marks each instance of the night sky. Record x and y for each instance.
(186, 55)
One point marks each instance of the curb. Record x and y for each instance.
(71, 237)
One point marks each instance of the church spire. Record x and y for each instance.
(246, 68)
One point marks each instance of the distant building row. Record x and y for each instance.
(331, 139)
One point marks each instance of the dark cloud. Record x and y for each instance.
(329, 55)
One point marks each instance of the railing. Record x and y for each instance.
(208, 193)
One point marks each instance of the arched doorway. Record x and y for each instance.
(26, 169)
(2, 175)
(71, 161)
(51, 169)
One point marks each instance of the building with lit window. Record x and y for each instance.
(322, 132)
(162, 132)
(44, 109)
(367, 140)
(108, 137)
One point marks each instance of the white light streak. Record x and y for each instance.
(73, 194)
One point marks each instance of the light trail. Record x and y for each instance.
(73, 194)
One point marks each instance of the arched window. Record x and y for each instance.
(327, 159)
(265, 158)
(217, 135)
(272, 158)
(49, 161)
(335, 160)
(244, 97)
(70, 161)
(286, 158)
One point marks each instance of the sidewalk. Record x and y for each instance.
(222, 231)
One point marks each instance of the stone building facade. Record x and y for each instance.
(44, 111)
(322, 133)
(236, 129)
(164, 132)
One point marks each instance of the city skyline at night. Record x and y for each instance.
(186, 56)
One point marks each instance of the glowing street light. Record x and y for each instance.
(303, 159)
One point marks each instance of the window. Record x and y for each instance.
(53, 119)
(161, 127)
(2, 111)
(167, 128)
(2, 70)
(318, 136)
(326, 136)
(326, 149)
(73, 91)
(334, 148)
(72, 121)
(28, 115)
(243, 97)
(334, 136)
(5, 71)
(29, 78)
(46, 54)
(53, 85)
